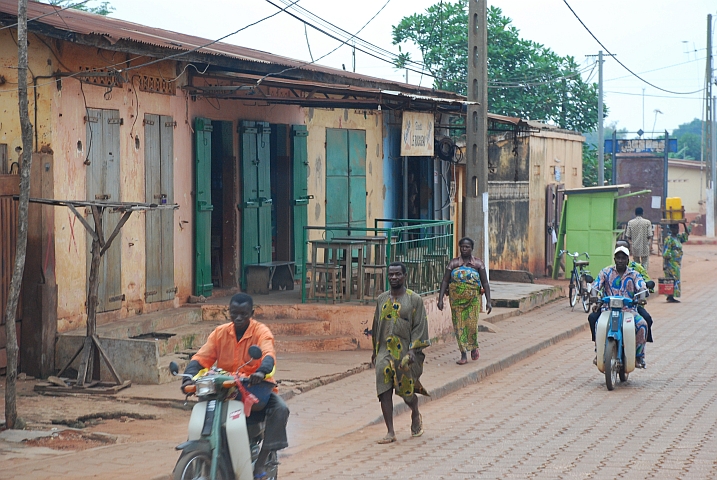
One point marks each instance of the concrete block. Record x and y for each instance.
(135, 360)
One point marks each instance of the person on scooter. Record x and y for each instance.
(228, 347)
(620, 280)
(639, 268)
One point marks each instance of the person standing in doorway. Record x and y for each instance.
(672, 258)
(639, 233)
(465, 279)
(399, 335)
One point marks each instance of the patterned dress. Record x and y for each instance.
(611, 283)
(672, 258)
(465, 296)
(399, 325)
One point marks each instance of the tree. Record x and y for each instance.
(590, 166)
(11, 418)
(526, 79)
(689, 140)
(104, 8)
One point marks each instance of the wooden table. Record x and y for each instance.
(374, 259)
(340, 252)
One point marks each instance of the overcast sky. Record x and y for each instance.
(663, 41)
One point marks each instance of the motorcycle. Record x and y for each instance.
(221, 445)
(615, 338)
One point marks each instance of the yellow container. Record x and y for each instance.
(673, 208)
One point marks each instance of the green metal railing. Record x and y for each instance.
(424, 246)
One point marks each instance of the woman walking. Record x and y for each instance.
(465, 279)
(672, 258)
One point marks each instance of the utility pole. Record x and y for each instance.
(11, 418)
(601, 133)
(354, 56)
(476, 206)
(708, 145)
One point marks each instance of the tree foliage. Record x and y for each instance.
(104, 8)
(526, 79)
(689, 140)
(590, 166)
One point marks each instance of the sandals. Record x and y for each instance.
(418, 431)
(387, 439)
(475, 354)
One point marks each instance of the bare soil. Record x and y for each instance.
(71, 440)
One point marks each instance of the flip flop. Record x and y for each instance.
(418, 431)
(475, 354)
(387, 439)
(462, 361)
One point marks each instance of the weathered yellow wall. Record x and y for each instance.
(318, 120)
(70, 147)
(41, 62)
(549, 151)
(685, 179)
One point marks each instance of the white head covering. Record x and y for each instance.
(623, 250)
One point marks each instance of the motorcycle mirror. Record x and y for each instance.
(255, 352)
(650, 284)
(589, 279)
(173, 368)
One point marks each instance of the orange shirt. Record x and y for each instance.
(223, 348)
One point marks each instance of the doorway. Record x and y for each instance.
(216, 220)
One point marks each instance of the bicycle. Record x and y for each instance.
(580, 280)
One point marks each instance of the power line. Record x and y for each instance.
(619, 62)
(661, 68)
(657, 96)
(168, 57)
(343, 42)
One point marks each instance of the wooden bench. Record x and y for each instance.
(262, 277)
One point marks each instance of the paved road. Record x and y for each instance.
(550, 416)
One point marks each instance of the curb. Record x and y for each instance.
(471, 377)
(480, 374)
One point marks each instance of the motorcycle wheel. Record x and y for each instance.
(574, 290)
(584, 295)
(611, 368)
(623, 374)
(197, 465)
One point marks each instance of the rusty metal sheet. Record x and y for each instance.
(115, 30)
(641, 172)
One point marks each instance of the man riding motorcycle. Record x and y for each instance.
(228, 347)
(619, 280)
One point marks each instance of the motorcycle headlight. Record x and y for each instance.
(616, 303)
(205, 386)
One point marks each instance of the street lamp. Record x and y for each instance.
(657, 110)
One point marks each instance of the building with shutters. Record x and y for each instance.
(251, 147)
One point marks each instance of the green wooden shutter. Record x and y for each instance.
(357, 178)
(337, 180)
(203, 208)
(263, 176)
(301, 193)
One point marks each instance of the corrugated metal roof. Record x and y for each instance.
(115, 30)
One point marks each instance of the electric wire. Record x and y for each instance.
(343, 42)
(622, 64)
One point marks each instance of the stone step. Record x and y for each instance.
(137, 325)
(314, 343)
